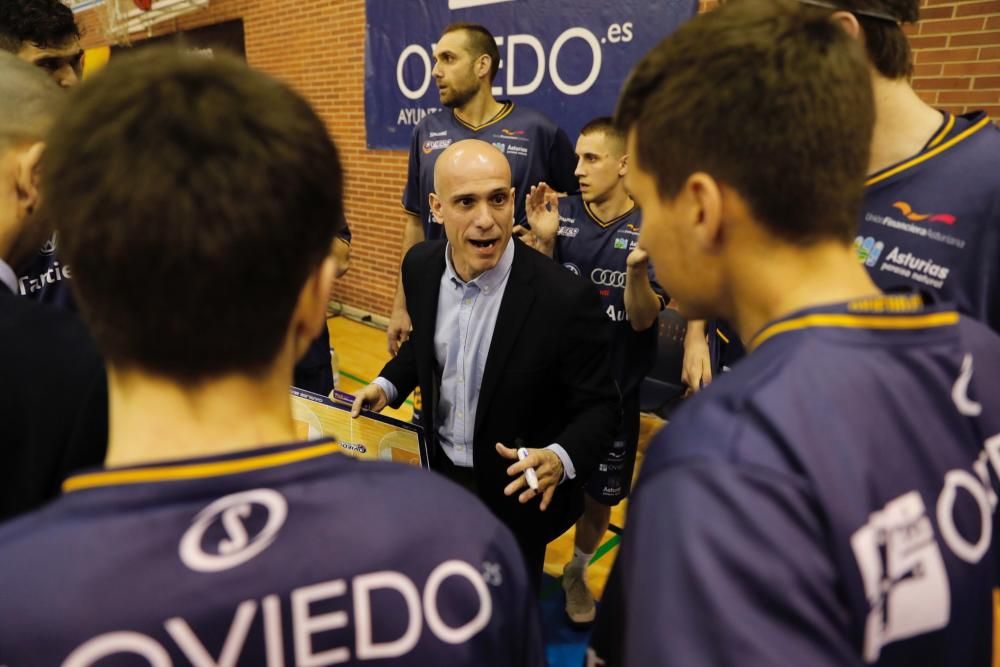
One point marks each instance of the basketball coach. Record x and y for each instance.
(511, 350)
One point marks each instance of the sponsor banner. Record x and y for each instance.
(566, 58)
(370, 436)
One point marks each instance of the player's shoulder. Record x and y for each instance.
(26, 325)
(552, 278)
(737, 418)
(435, 120)
(979, 142)
(571, 206)
(979, 340)
(531, 117)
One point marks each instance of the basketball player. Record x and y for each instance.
(930, 218)
(595, 234)
(213, 537)
(44, 33)
(831, 500)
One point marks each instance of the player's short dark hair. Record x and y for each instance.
(194, 196)
(46, 23)
(480, 41)
(605, 125)
(885, 42)
(770, 98)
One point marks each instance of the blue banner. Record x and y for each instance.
(566, 58)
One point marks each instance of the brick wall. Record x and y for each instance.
(318, 47)
(957, 54)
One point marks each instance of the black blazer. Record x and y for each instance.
(547, 377)
(53, 402)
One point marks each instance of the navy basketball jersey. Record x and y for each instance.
(288, 555)
(537, 149)
(597, 250)
(933, 221)
(829, 502)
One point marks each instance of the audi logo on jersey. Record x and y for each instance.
(608, 278)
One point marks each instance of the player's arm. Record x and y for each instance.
(342, 256)
(413, 233)
(399, 321)
(697, 368)
(642, 303)
(541, 206)
(745, 580)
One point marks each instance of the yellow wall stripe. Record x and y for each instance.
(923, 157)
(195, 470)
(840, 320)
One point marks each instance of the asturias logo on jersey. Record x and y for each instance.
(233, 529)
(912, 215)
(513, 133)
(916, 268)
(868, 249)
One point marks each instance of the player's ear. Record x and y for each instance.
(483, 65)
(701, 197)
(436, 206)
(849, 23)
(27, 178)
(623, 165)
(309, 316)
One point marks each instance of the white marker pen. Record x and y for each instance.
(529, 473)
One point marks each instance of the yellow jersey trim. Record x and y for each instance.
(948, 124)
(607, 224)
(927, 155)
(195, 470)
(503, 113)
(845, 321)
(718, 332)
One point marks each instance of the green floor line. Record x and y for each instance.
(366, 382)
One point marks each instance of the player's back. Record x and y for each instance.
(282, 556)
(844, 476)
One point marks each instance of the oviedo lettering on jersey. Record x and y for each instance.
(562, 57)
(314, 609)
(900, 556)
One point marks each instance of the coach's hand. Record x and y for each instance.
(548, 467)
(371, 397)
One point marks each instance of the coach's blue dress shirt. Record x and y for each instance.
(466, 317)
